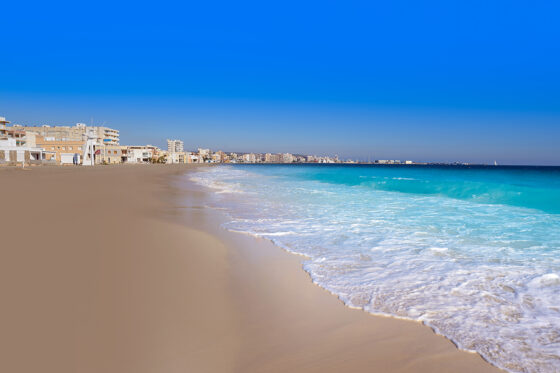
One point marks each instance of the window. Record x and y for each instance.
(69, 148)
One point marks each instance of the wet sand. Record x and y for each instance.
(118, 269)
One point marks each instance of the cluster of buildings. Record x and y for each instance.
(222, 157)
(88, 145)
(175, 154)
(59, 144)
(392, 161)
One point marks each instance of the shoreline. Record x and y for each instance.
(127, 270)
(237, 239)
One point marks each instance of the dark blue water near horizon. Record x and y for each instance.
(535, 187)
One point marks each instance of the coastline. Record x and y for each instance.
(158, 285)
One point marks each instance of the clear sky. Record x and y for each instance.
(471, 81)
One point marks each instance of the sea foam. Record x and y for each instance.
(474, 254)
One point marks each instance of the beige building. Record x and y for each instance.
(61, 151)
(17, 134)
(220, 157)
(30, 138)
(110, 154)
(204, 153)
(3, 129)
(273, 158)
(105, 135)
(182, 157)
(249, 158)
(57, 133)
(217, 157)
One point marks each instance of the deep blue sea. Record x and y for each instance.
(473, 252)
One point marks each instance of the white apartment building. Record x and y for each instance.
(249, 158)
(139, 154)
(204, 152)
(175, 146)
(287, 158)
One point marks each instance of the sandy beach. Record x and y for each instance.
(123, 269)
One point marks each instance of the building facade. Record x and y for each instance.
(142, 153)
(105, 135)
(273, 158)
(249, 158)
(3, 129)
(111, 154)
(61, 151)
(14, 148)
(175, 146)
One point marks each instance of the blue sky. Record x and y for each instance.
(472, 81)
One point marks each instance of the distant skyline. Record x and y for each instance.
(430, 81)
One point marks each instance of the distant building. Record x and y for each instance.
(204, 155)
(194, 158)
(173, 157)
(218, 157)
(105, 135)
(175, 146)
(249, 158)
(287, 158)
(272, 158)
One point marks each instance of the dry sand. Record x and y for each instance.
(115, 269)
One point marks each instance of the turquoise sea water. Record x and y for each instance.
(473, 252)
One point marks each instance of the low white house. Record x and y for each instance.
(10, 152)
(139, 155)
(193, 158)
